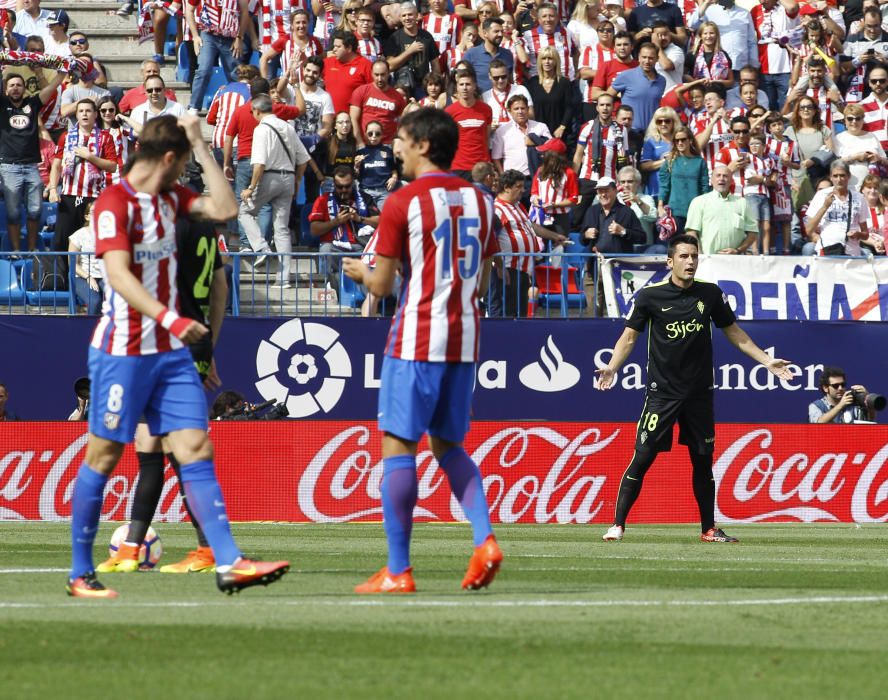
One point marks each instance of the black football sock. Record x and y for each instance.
(147, 495)
(630, 484)
(201, 538)
(704, 488)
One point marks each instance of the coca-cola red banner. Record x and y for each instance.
(330, 471)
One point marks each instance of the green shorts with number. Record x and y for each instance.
(695, 417)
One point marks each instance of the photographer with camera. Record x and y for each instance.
(841, 404)
(81, 391)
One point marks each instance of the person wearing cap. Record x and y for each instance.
(555, 188)
(511, 140)
(609, 225)
(723, 222)
(85, 88)
(56, 43)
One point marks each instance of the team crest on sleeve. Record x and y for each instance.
(107, 225)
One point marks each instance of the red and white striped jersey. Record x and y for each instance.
(145, 227)
(818, 94)
(756, 166)
(219, 17)
(79, 183)
(614, 148)
(441, 229)
(445, 30)
(50, 112)
(275, 18)
(770, 25)
(516, 236)
(877, 220)
(228, 99)
(120, 137)
(875, 118)
(806, 51)
(593, 57)
(550, 191)
(517, 66)
(695, 119)
(370, 48)
(450, 58)
(720, 137)
(535, 40)
(287, 47)
(778, 148)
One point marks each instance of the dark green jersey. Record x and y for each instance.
(679, 323)
(199, 258)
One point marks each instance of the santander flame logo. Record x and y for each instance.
(551, 373)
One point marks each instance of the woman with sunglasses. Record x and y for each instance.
(860, 149)
(657, 143)
(810, 135)
(375, 165)
(348, 21)
(340, 149)
(683, 176)
(120, 134)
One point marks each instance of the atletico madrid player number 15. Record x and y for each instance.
(439, 231)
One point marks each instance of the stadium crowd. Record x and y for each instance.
(759, 130)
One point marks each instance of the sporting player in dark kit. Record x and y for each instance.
(678, 314)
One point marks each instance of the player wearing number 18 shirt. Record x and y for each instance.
(678, 315)
(138, 362)
(439, 230)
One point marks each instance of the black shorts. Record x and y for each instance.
(202, 354)
(696, 420)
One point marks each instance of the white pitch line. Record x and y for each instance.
(477, 603)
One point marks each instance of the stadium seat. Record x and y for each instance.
(50, 298)
(254, 58)
(11, 292)
(217, 80)
(169, 44)
(559, 287)
(183, 63)
(350, 294)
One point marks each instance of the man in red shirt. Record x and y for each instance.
(473, 117)
(137, 96)
(345, 70)
(379, 102)
(241, 127)
(622, 60)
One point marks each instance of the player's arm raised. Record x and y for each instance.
(622, 350)
(741, 340)
(125, 283)
(222, 205)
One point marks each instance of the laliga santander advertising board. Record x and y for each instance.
(330, 471)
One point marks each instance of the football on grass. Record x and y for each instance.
(149, 552)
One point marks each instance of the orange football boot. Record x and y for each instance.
(88, 586)
(383, 581)
(483, 565)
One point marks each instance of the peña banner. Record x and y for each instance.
(529, 370)
(767, 288)
(330, 472)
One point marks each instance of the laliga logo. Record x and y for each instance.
(290, 368)
(551, 373)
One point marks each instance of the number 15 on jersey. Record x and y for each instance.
(468, 250)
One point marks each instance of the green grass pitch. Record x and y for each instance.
(793, 611)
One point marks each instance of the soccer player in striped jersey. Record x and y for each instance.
(138, 361)
(439, 231)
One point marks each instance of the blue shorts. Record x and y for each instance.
(425, 397)
(164, 388)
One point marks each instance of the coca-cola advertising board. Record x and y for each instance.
(330, 471)
(537, 369)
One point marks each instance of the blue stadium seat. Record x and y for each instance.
(50, 298)
(11, 292)
(350, 293)
(254, 58)
(217, 80)
(169, 44)
(183, 63)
